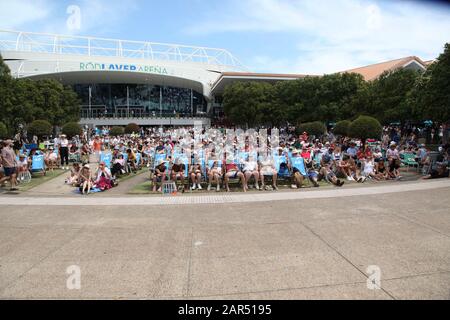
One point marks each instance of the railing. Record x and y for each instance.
(90, 46)
(103, 113)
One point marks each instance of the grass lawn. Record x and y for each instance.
(132, 175)
(39, 179)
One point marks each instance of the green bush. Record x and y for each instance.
(3, 131)
(132, 128)
(365, 127)
(71, 129)
(40, 128)
(116, 131)
(341, 128)
(315, 128)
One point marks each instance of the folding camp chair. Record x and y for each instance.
(409, 160)
(106, 158)
(299, 164)
(38, 164)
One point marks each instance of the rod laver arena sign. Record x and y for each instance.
(93, 66)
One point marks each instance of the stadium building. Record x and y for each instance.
(151, 84)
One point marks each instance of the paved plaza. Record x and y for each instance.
(305, 244)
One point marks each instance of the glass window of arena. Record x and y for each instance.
(116, 100)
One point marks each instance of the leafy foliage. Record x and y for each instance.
(25, 100)
(40, 128)
(132, 128)
(116, 131)
(341, 128)
(315, 128)
(365, 127)
(71, 129)
(3, 131)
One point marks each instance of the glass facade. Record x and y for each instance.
(128, 100)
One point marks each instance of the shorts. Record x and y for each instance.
(312, 174)
(234, 176)
(9, 171)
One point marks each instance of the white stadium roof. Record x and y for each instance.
(102, 47)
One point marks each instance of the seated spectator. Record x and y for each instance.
(297, 177)
(378, 155)
(178, 170)
(160, 175)
(214, 174)
(118, 165)
(232, 172)
(352, 150)
(441, 170)
(132, 159)
(85, 179)
(51, 159)
(22, 165)
(344, 169)
(74, 175)
(369, 168)
(327, 173)
(267, 169)
(250, 169)
(381, 171)
(195, 172)
(104, 178)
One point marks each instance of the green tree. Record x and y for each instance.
(40, 128)
(132, 128)
(71, 129)
(116, 131)
(315, 128)
(250, 104)
(365, 127)
(389, 96)
(431, 95)
(3, 131)
(341, 128)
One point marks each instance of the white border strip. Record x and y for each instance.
(219, 198)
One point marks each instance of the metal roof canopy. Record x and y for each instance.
(91, 46)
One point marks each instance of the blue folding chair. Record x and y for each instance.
(138, 160)
(38, 164)
(106, 158)
(299, 164)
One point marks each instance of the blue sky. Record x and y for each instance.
(282, 36)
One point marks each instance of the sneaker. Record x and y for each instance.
(340, 183)
(218, 188)
(257, 186)
(193, 187)
(294, 186)
(209, 187)
(199, 187)
(275, 187)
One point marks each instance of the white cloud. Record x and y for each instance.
(103, 16)
(14, 14)
(345, 33)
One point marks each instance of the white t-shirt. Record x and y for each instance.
(250, 165)
(64, 143)
(369, 166)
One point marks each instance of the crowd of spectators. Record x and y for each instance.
(216, 157)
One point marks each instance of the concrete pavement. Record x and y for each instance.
(305, 248)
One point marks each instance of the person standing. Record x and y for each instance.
(64, 151)
(9, 163)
